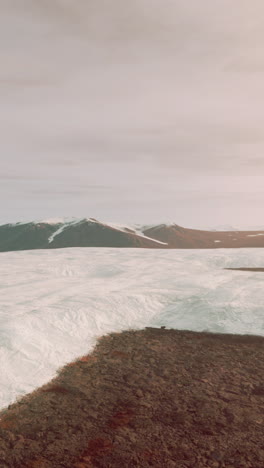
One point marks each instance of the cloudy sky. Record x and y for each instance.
(143, 110)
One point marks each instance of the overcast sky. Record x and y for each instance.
(140, 111)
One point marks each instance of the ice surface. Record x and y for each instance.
(53, 304)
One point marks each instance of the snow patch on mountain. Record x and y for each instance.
(56, 233)
(222, 227)
(255, 235)
(65, 226)
(136, 227)
(116, 226)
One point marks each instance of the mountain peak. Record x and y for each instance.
(55, 233)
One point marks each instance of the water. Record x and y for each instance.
(54, 304)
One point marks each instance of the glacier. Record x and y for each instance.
(55, 304)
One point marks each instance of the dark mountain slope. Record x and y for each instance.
(82, 233)
(90, 233)
(26, 236)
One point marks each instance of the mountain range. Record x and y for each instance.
(89, 232)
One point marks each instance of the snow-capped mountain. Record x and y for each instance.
(52, 234)
(89, 232)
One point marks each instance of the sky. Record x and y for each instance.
(144, 111)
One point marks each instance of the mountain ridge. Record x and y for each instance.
(89, 232)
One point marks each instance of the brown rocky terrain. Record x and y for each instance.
(178, 237)
(149, 398)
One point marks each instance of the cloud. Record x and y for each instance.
(127, 98)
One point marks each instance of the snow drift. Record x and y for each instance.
(54, 304)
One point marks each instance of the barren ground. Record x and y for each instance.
(149, 398)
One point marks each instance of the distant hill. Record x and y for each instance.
(93, 233)
(178, 237)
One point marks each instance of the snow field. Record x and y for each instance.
(54, 304)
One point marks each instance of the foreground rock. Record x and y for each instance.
(151, 398)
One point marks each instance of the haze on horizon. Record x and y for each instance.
(138, 111)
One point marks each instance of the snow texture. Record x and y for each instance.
(54, 304)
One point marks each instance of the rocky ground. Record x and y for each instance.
(149, 398)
